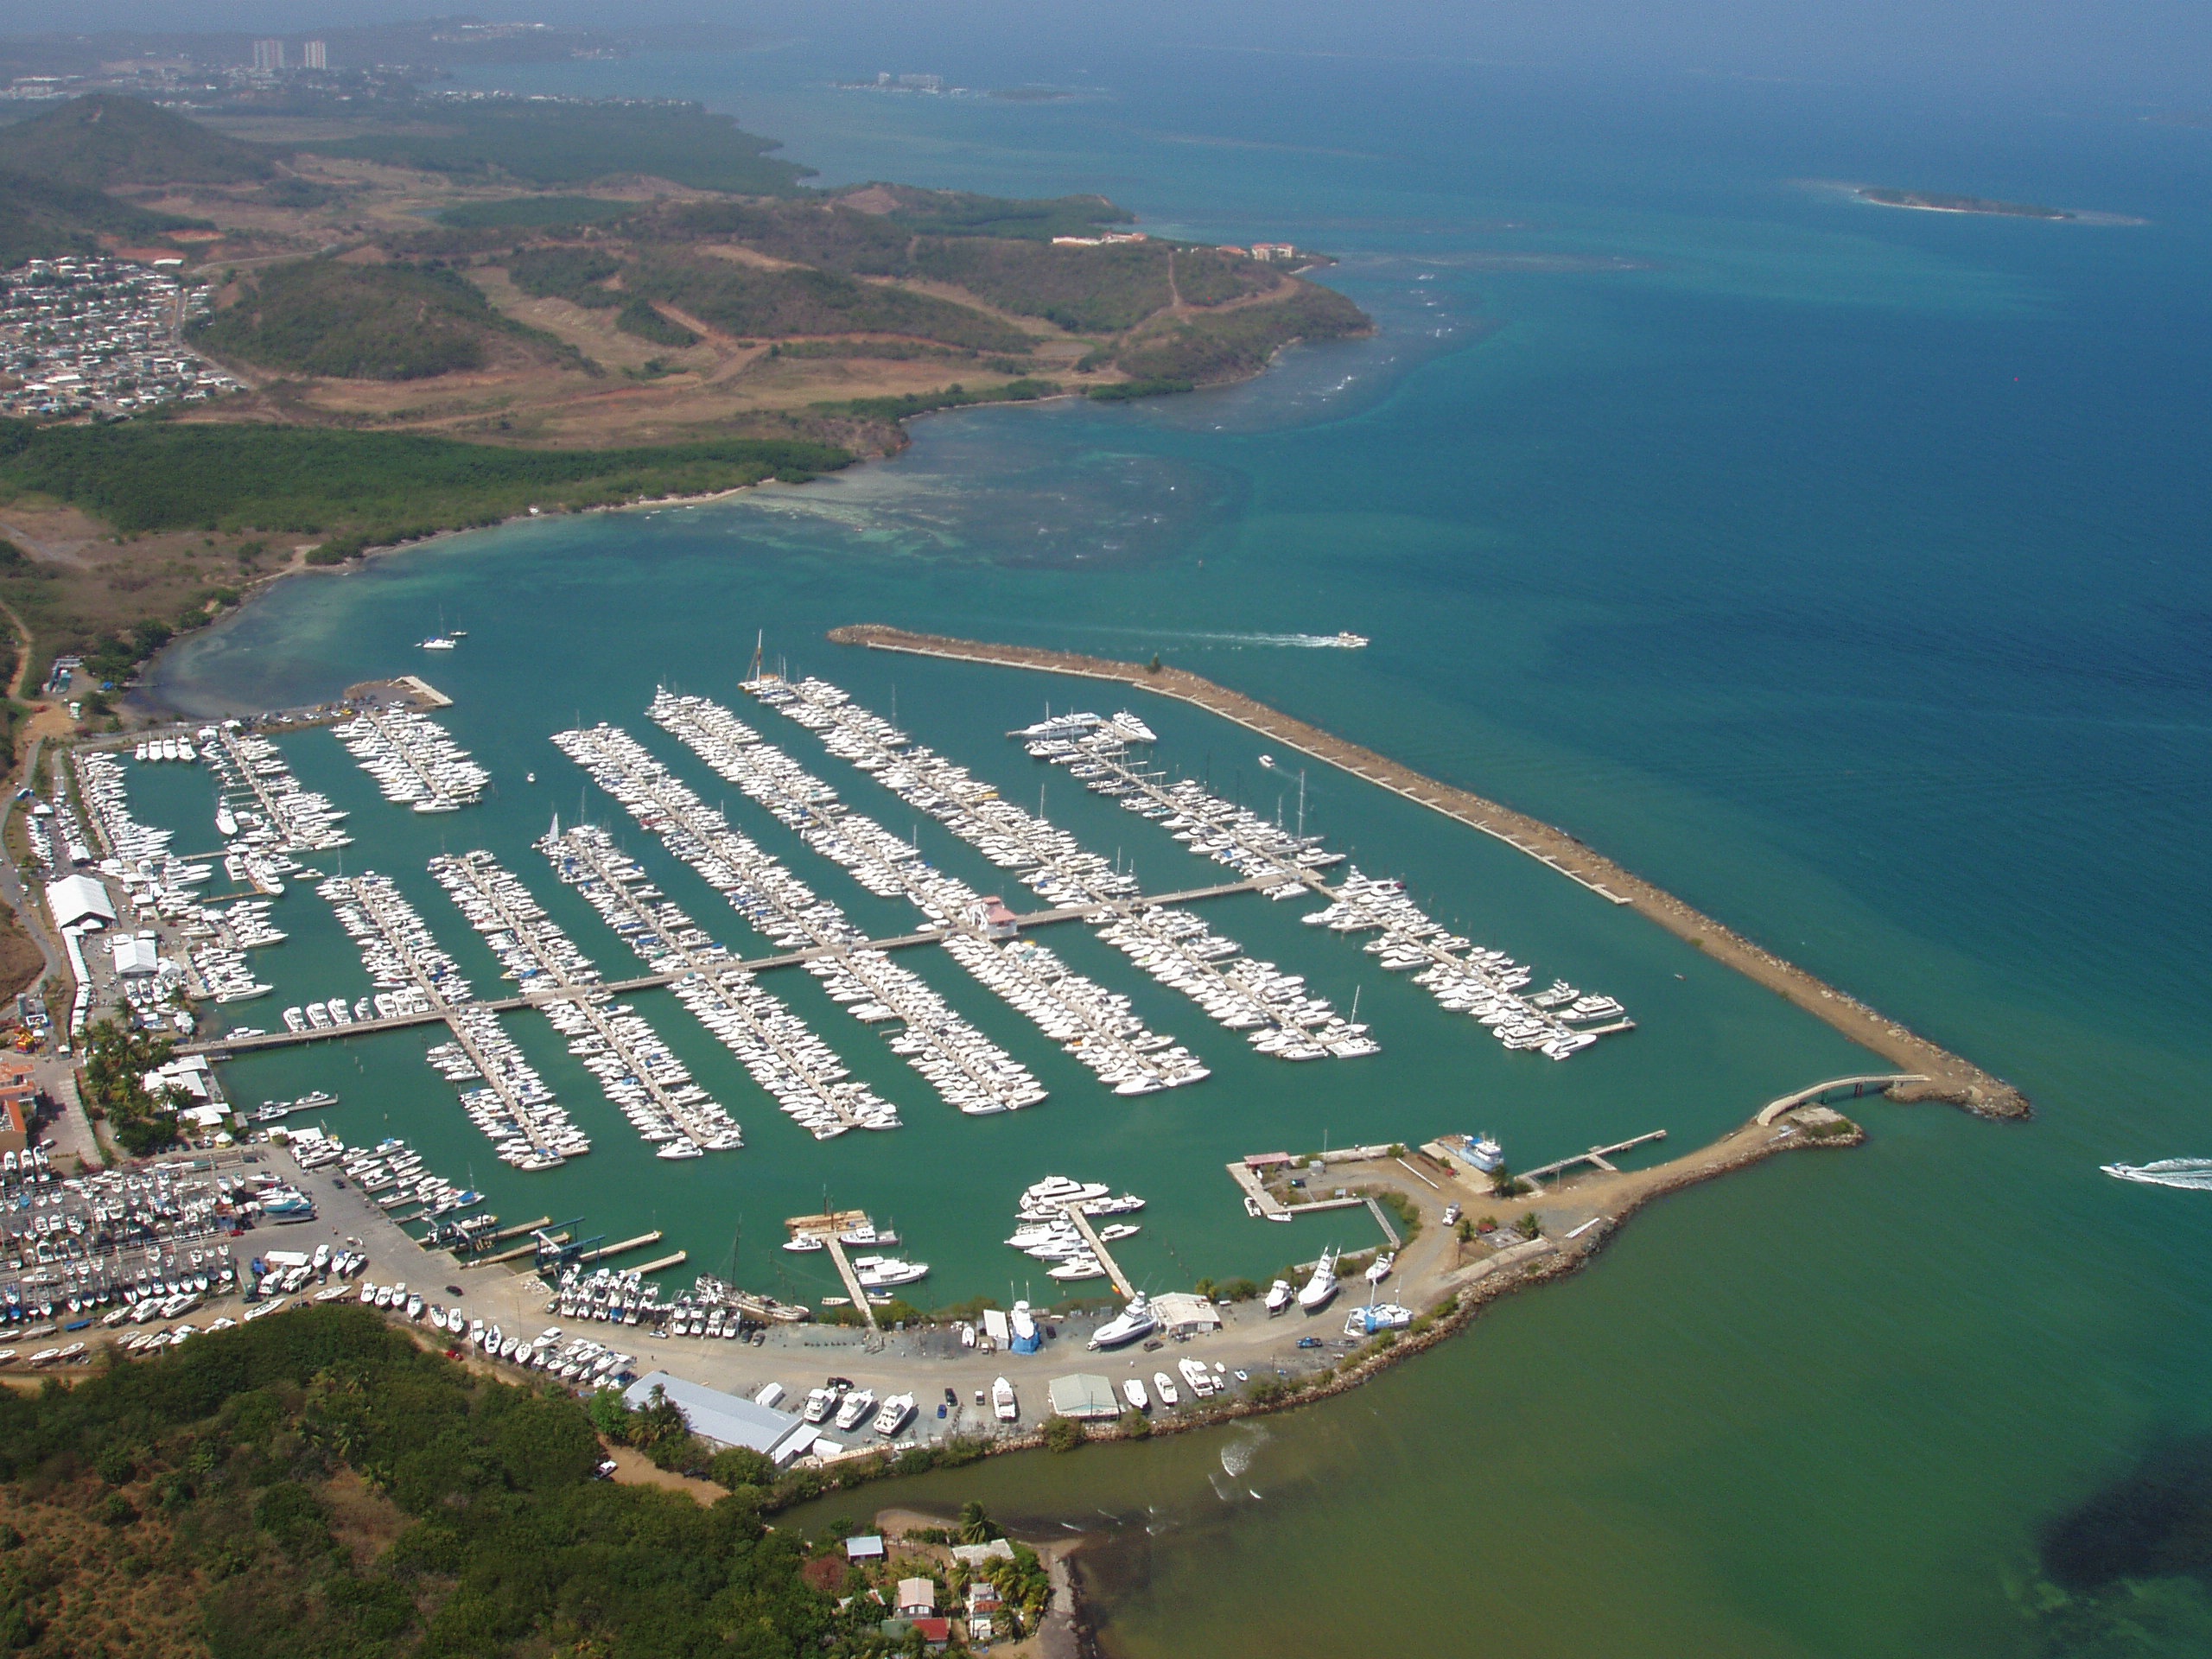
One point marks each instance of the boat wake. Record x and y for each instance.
(2194, 1173)
(1236, 1456)
(1281, 641)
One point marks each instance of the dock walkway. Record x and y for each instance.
(853, 1286)
(372, 900)
(1122, 1281)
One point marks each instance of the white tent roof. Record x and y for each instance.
(76, 899)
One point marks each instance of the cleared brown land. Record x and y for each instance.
(1949, 1078)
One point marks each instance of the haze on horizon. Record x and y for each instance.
(2153, 52)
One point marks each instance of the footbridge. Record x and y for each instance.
(1835, 1089)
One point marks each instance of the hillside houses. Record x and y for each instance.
(98, 335)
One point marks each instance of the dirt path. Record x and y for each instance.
(1949, 1078)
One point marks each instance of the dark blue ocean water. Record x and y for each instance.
(1842, 568)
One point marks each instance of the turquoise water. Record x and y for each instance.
(1840, 568)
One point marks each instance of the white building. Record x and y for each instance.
(79, 901)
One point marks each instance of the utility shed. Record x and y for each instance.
(724, 1419)
(1083, 1396)
(77, 900)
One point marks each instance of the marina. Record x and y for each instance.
(647, 1082)
(413, 759)
(514, 1108)
(1091, 1023)
(1273, 1009)
(799, 1071)
(969, 1072)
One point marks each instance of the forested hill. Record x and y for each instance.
(315, 1486)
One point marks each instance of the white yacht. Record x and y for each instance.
(1132, 1391)
(893, 1418)
(1134, 1321)
(1003, 1404)
(853, 1410)
(1279, 1294)
(1323, 1285)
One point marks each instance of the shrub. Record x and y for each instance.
(1064, 1434)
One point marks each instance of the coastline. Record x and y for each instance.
(1947, 1076)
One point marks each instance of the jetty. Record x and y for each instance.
(1941, 1075)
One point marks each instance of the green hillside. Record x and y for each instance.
(103, 140)
(362, 322)
(40, 220)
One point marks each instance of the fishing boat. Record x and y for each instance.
(1350, 641)
(1379, 1268)
(1003, 1404)
(1322, 1285)
(853, 1410)
(805, 1241)
(1279, 1294)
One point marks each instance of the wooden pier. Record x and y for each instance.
(599, 1253)
(521, 1250)
(675, 1260)
(853, 1286)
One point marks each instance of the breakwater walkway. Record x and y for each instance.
(1943, 1074)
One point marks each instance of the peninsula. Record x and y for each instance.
(1935, 1072)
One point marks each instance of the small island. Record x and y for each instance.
(1930, 202)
